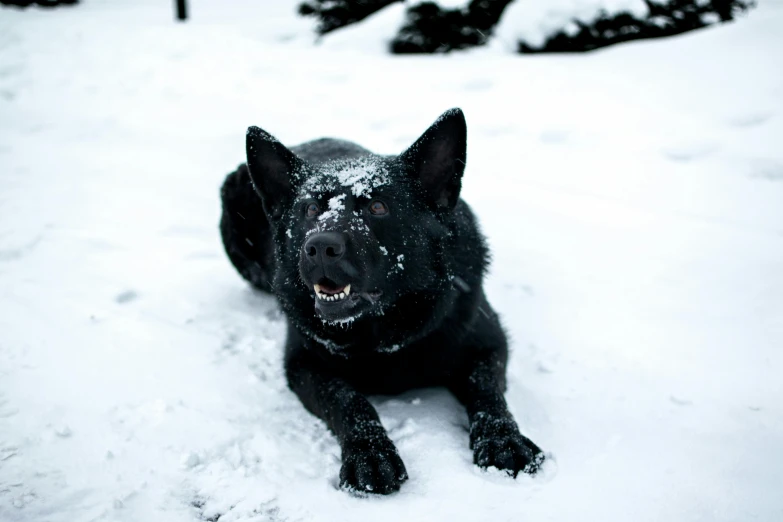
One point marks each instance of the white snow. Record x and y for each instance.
(632, 200)
(360, 177)
(335, 207)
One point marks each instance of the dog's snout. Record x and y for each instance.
(325, 247)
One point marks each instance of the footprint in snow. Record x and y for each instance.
(769, 170)
(264, 511)
(126, 297)
(478, 85)
(686, 152)
(679, 401)
(752, 119)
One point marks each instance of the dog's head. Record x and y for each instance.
(354, 235)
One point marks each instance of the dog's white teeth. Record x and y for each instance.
(331, 297)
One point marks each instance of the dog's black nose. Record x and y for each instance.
(325, 247)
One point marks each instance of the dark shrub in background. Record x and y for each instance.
(41, 3)
(429, 28)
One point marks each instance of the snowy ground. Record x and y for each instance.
(633, 199)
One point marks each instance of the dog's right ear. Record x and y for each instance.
(272, 167)
(437, 158)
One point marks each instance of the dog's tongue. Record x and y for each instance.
(330, 288)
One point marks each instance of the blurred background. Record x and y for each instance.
(624, 161)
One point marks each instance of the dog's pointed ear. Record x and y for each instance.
(272, 168)
(438, 158)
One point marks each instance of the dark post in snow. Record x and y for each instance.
(182, 10)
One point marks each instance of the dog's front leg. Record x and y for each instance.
(370, 459)
(494, 436)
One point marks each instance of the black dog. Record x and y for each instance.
(377, 264)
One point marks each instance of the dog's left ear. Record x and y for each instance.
(438, 158)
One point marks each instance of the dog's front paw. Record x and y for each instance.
(497, 442)
(372, 465)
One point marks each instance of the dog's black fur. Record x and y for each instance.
(331, 213)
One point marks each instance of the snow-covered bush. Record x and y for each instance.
(656, 19)
(528, 25)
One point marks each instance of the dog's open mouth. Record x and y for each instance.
(342, 302)
(327, 290)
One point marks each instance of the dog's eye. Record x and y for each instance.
(378, 208)
(311, 209)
